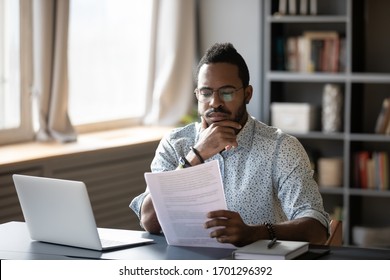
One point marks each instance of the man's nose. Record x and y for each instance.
(215, 100)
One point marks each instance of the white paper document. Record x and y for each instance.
(182, 198)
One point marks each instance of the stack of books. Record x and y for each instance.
(371, 170)
(314, 51)
(294, 7)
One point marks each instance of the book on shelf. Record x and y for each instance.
(282, 7)
(313, 51)
(342, 55)
(371, 178)
(382, 169)
(292, 61)
(371, 170)
(323, 51)
(303, 7)
(292, 7)
(303, 54)
(363, 157)
(387, 132)
(383, 119)
(313, 7)
(281, 250)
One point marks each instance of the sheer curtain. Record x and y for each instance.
(50, 69)
(170, 82)
(172, 58)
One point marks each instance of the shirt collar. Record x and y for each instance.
(245, 136)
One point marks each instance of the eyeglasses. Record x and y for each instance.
(227, 94)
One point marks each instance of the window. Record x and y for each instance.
(108, 58)
(9, 66)
(15, 118)
(108, 61)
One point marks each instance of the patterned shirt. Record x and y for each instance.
(267, 178)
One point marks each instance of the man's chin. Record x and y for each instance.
(216, 119)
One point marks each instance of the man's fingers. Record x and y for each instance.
(204, 123)
(227, 123)
(220, 214)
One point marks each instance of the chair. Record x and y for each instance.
(336, 233)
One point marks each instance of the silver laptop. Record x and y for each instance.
(59, 211)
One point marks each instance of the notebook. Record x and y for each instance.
(59, 211)
(281, 250)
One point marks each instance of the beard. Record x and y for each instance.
(239, 117)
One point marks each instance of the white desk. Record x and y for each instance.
(15, 243)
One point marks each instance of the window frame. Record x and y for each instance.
(119, 123)
(108, 125)
(25, 132)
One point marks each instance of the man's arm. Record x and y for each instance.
(231, 229)
(213, 139)
(149, 219)
(298, 230)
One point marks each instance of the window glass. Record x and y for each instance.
(10, 98)
(108, 59)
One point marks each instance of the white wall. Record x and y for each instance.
(238, 22)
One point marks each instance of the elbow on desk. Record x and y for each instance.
(151, 226)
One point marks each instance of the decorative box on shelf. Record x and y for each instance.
(294, 117)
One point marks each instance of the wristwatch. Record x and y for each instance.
(183, 163)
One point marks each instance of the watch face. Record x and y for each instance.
(183, 162)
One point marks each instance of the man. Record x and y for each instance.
(269, 186)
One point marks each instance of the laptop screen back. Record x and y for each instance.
(57, 211)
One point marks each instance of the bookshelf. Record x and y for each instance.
(364, 80)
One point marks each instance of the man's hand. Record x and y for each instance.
(216, 137)
(230, 228)
(149, 219)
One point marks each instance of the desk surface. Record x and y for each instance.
(15, 243)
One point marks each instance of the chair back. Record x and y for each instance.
(336, 233)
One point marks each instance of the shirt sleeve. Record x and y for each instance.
(297, 190)
(165, 159)
(136, 203)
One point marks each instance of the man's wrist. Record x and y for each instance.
(197, 154)
(184, 163)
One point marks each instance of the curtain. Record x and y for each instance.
(170, 82)
(50, 69)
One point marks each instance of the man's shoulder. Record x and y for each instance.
(272, 134)
(189, 130)
(265, 131)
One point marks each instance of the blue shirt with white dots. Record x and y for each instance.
(267, 178)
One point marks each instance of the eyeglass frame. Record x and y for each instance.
(218, 90)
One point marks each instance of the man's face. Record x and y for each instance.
(220, 75)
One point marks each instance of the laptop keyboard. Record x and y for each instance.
(111, 243)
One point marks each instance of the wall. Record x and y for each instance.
(240, 23)
(113, 177)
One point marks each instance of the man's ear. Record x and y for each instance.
(248, 94)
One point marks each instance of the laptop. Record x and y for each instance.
(59, 211)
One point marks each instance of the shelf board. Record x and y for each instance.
(367, 137)
(319, 135)
(284, 76)
(373, 193)
(331, 190)
(358, 137)
(370, 78)
(308, 19)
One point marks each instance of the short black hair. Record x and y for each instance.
(225, 53)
